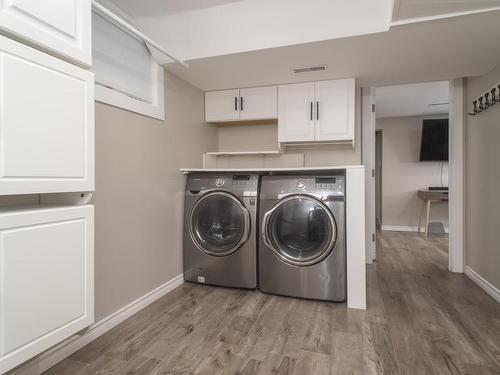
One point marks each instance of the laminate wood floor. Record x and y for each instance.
(421, 319)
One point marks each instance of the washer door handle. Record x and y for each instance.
(265, 221)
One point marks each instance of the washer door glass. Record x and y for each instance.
(219, 224)
(301, 230)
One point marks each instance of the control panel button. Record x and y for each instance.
(301, 185)
(219, 182)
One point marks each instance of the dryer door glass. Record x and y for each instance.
(301, 230)
(219, 224)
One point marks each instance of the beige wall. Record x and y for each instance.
(482, 176)
(403, 174)
(265, 137)
(139, 193)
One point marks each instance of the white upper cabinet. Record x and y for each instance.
(259, 103)
(62, 27)
(296, 113)
(335, 110)
(256, 103)
(317, 112)
(47, 123)
(47, 279)
(222, 105)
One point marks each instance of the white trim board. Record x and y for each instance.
(66, 348)
(355, 238)
(482, 283)
(403, 228)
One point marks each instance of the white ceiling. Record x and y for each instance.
(156, 8)
(419, 52)
(412, 100)
(194, 29)
(239, 26)
(411, 9)
(231, 43)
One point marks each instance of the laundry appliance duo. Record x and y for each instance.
(282, 233)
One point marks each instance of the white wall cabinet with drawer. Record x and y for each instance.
(47, 123)
(321, 111)
(61, 27)
(246, 104)
(46, 278)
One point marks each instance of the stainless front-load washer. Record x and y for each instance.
(302, 251)
(220, 229)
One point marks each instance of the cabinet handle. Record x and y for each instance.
(317, 110)
(241, 103)
(235, 103)
(311, 111)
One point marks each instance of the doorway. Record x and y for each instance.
(374, 150)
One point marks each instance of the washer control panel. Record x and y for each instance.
(330, 183)
(244, 180)
(240, 184)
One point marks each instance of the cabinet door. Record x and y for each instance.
(335, 110)
(296, 112)
(259, 103)
(60, 26)
(47, 123)
(222, 105)
(47, 279)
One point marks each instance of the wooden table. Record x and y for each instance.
(428, 197)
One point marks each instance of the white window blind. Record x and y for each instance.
(121, 62)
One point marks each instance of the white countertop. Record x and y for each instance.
(296, 169)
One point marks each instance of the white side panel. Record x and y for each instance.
(47, 123)
(335, 110)
(47, 279)
(355, 230)
(296, 112)
(62, 27)
(456, 205)
(222, 105)
(259, 103)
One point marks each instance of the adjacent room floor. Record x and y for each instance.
(421, 319)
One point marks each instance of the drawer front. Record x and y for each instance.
(47, 125)
(61, 27)
(46, 283)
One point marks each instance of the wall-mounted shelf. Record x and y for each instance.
(242, 153)
(246, 159)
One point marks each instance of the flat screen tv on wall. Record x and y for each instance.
(434, 141)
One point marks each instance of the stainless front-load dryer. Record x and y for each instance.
(302, 248)
(220, 229)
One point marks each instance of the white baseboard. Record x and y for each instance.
(483, 284)
(76, 342)
(403, 228)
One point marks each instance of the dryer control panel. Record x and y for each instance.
(320, 185)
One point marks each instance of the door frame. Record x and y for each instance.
(456, 182)
(379, 144)
(368, 160)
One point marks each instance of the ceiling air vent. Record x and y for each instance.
(316, 68)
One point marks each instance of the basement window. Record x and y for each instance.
(126, 74)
